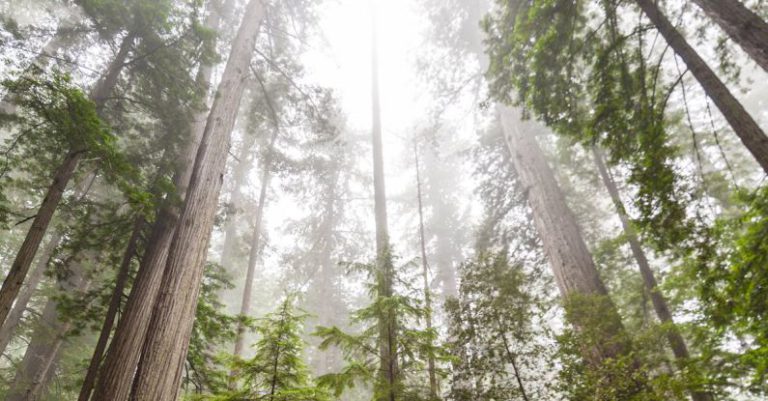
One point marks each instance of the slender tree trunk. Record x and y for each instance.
(433, 390)
(676, 341)
(571, 262)
(231, 245)
(512, 361)
(389, 371)
(745, 127)
(742, 25)
(116, 376)
(253, 256)
(114, 306)
(61, 178)
(167, 339)
(43, 352)
(33, 281)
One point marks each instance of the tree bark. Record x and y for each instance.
(114, 306)
(742, 25)
(61, 178)
(676, 341)
(167, 339)
(116, 376)
(253, 256)
(31, 284)
(42, 354)
(570, 260)
(745, 127)
(433, 390)
(389, 371)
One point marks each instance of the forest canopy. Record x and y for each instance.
(388, 200)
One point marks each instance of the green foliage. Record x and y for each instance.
(497, 350)
(277, 371)
(731, 278)
(573, 66)
(414, 345)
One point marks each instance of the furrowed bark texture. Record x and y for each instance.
(114, 306)
(167, 339)
(745, 127)
(570, 260)
(116, 376)
(61, 177)
(388, 364)
(742, 25)
(676, 341)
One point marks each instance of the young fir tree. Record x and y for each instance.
(415, 345)
(277, 371)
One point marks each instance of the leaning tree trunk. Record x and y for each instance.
(43, 351)
(167, 340)
(114, 306)
(62, 176)
(742, 25)
(676, 341)
(25, 295)
(253, 256)
(433, 391)
(570, 260)
(388, 363)
(745, 127)
(116, 375)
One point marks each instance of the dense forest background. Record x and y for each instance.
(294, 200)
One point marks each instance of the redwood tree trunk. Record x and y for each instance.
(167, 339)
(114, 307)
(116, 376)
(742, 25)
(570, 260)
(388, 363)
(751, 135)
(676, 341)
(61, 178)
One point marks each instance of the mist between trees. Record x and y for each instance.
(296, 200)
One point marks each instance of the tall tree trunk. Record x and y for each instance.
(167, 339)
(742, 25)
(570, 260)
(231, 244)
(43, 352)
(676, 341)
(25, 295)
(433, 390)
(253, 256)
(388, 370)
(745, 127)
(61, 177)
(116, 376)
(114, 306)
